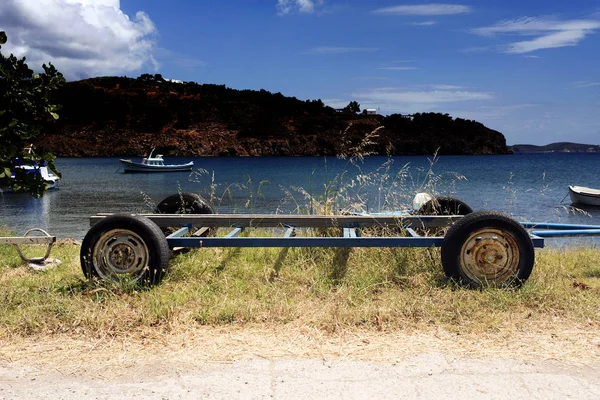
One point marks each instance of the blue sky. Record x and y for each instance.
(529, 69)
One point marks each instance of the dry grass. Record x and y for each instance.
(327, 290)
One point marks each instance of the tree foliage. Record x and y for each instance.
(352, 107)
(25, 106)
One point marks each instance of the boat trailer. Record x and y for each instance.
(478, 249)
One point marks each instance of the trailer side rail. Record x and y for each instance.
(281, 220)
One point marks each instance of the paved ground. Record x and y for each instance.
(424, 376)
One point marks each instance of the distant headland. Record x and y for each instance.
(119, 116)
(559, 147)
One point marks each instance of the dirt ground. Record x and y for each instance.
(299, 362)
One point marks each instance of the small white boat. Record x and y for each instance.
(50, 179)
(584, 195)
(30, 167)
(155, 164)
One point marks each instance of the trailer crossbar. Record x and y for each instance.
(179, 233)
(349, 232)
(233, 233)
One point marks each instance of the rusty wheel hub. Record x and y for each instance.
(120, 252)
(490, 256)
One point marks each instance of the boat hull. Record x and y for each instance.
(579, 195)
(130, 166)
(50, 179)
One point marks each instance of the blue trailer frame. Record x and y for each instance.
(351, 225)
(479, 248)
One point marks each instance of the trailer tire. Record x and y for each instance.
(125, 245)
(488, 248)
(185, 203)
(445, 206)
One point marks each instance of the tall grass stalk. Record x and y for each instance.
(354, 189)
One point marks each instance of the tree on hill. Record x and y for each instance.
(151, 78)
(25, 106)
(352, 107)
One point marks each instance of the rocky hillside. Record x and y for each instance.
(118, 116)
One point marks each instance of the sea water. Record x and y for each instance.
(531, 187)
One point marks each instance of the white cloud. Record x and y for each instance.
(424, 23)
(393, 66)
(398, 68)
(375, 78)
(585, 84)
(285, 7)
(550, 33)
(532, 26)
(341, 50)
(422, 97)
(558, 39)
(505, 118)
(477, 49)
(81, 38)
(412, 100)
(424, 9)
(445, 87)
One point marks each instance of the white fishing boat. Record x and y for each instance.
(154, 164)
(584, 195)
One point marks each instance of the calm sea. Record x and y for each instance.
(528, 186)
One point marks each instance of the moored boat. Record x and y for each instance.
(31, 167)
(50, 179)
(154, 164)
(584, 195)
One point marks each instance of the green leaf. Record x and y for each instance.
(54, 115)
(6, 173)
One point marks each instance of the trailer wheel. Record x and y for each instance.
(445, 206)
(125, 245)
(488, 248)
(185, 203)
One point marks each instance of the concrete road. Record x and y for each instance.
(424, 376)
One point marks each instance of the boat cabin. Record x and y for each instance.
(157, 161)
